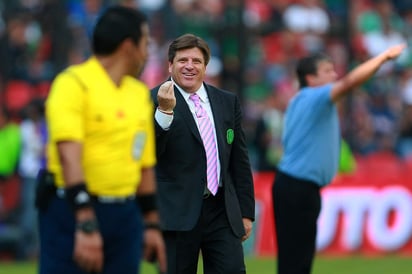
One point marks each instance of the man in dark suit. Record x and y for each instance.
(205, 186)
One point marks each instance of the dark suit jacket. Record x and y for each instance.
(181, 167)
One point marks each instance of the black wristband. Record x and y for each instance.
(147, 202)
(78, 197)
(152, 226)
(88, 226)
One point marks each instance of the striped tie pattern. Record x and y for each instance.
(209, 142)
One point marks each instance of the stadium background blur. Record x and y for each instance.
(254, 43)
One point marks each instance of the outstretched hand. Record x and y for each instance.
(395, 51)
(154, 248)
(166, 97)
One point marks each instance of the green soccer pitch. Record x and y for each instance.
(323, 265)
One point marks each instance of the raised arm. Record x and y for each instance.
(363, 72)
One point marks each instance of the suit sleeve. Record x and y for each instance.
(160, 133)
(240, 168)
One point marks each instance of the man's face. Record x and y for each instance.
(188, 69)
(142, 51)
(325, 74)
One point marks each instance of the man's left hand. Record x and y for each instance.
(154, 248)
(247, 223)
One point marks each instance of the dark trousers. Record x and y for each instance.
(221, 250)
(28, 243)
(296, 206)
(121, 228)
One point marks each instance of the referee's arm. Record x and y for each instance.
(88, 247)
(154, 246)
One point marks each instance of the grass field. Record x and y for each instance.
(323, 265)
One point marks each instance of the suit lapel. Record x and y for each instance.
(217, 108)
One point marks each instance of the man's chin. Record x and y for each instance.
(190, 85)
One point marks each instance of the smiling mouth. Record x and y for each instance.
(189, 75)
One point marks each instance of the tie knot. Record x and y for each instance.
(195, 98)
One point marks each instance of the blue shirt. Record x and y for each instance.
(311, 136)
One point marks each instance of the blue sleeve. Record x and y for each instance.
(322, 95)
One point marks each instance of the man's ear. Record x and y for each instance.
(310, 79)
(170, 67)
(127, 46)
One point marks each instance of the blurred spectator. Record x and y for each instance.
(375, 14)
(147, 6)
(2, 24)
(265, 17)
(402, 6)
(9, 156)
(201, 18)
(128, 3)
(408, 25)
(57, 41)
(81, 18)
(360, 131)
(213, 72)
(347, 161)
(155, 70)
(14, 50)
(17, 94)
(378, 40)
(310, 19)
(404, 140)
(233, 54)
(338, 11)
(27, 48)
(32, 158)
(268, 132)
(384, 121)
(10, 145)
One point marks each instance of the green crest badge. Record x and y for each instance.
(230, 135)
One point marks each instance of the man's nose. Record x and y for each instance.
(189, 64)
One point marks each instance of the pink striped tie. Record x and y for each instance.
(208, 137)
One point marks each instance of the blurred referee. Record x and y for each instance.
(101, 152)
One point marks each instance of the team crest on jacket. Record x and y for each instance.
(230, 136)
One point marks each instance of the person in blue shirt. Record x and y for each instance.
(311, 142)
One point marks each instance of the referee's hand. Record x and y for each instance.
(154, 248)
(88, 251)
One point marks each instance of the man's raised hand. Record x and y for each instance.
(395, 51)
(166, 97)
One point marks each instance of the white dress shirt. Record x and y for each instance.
(165, 120)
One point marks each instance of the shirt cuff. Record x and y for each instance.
(164, 120)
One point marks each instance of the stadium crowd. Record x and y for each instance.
(254, 44)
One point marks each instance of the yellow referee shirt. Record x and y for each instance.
(114, 124)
